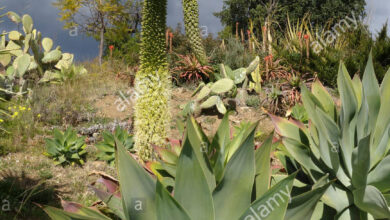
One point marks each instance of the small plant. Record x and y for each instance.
(190, 69)
(66, 148)
(253, 101)
(107, 146)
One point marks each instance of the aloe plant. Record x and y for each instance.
(351, 144)
(235, 186)
(107, 146)
(66, 147)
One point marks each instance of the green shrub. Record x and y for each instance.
(66, 148)
(253, 101)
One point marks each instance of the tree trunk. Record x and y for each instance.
(101, 46)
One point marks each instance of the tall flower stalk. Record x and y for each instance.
(191, 23)
(152, 83)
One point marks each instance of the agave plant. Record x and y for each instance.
(351, 144)
(66, 148)
(235, 186)
(107, 146)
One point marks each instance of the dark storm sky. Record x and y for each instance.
(46, 20)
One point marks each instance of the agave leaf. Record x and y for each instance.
(191, 186)
(302, 206)
(200, 144)
(273, 204)
(263, 169)
(371, 200)
(232, 195)
(382, 121)
(380, 175)
(133, 176)
(167, 206)
(323, 96)
(358, 88)
(219, 143)
(114, 203)
(361, 163)
(238, 140)
(371, 92)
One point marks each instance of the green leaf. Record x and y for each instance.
(263, 167)
(326, 100)
(200, 144)
(233, 195)
(191, 186)
(137, 187)
(203, 93)
(371, 200)
(380, 175)
(210, 102)
(361, 163)
(273, 204)
(303, 205)
(167, 206)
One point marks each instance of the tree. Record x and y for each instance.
(191, 23)
(321, 12)
(151, 116)
(93, 17)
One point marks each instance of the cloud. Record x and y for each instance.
(46, 20)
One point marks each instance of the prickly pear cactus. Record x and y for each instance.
(16, 58)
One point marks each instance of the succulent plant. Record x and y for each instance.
(20, 64)
(244, 190)
(350, 144)
(151, 112)
(107, 146)
(210, 95)
(66, 148)
(191, 23)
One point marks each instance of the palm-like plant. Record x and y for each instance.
(234, 185)
(152, 83)
(352, 145)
